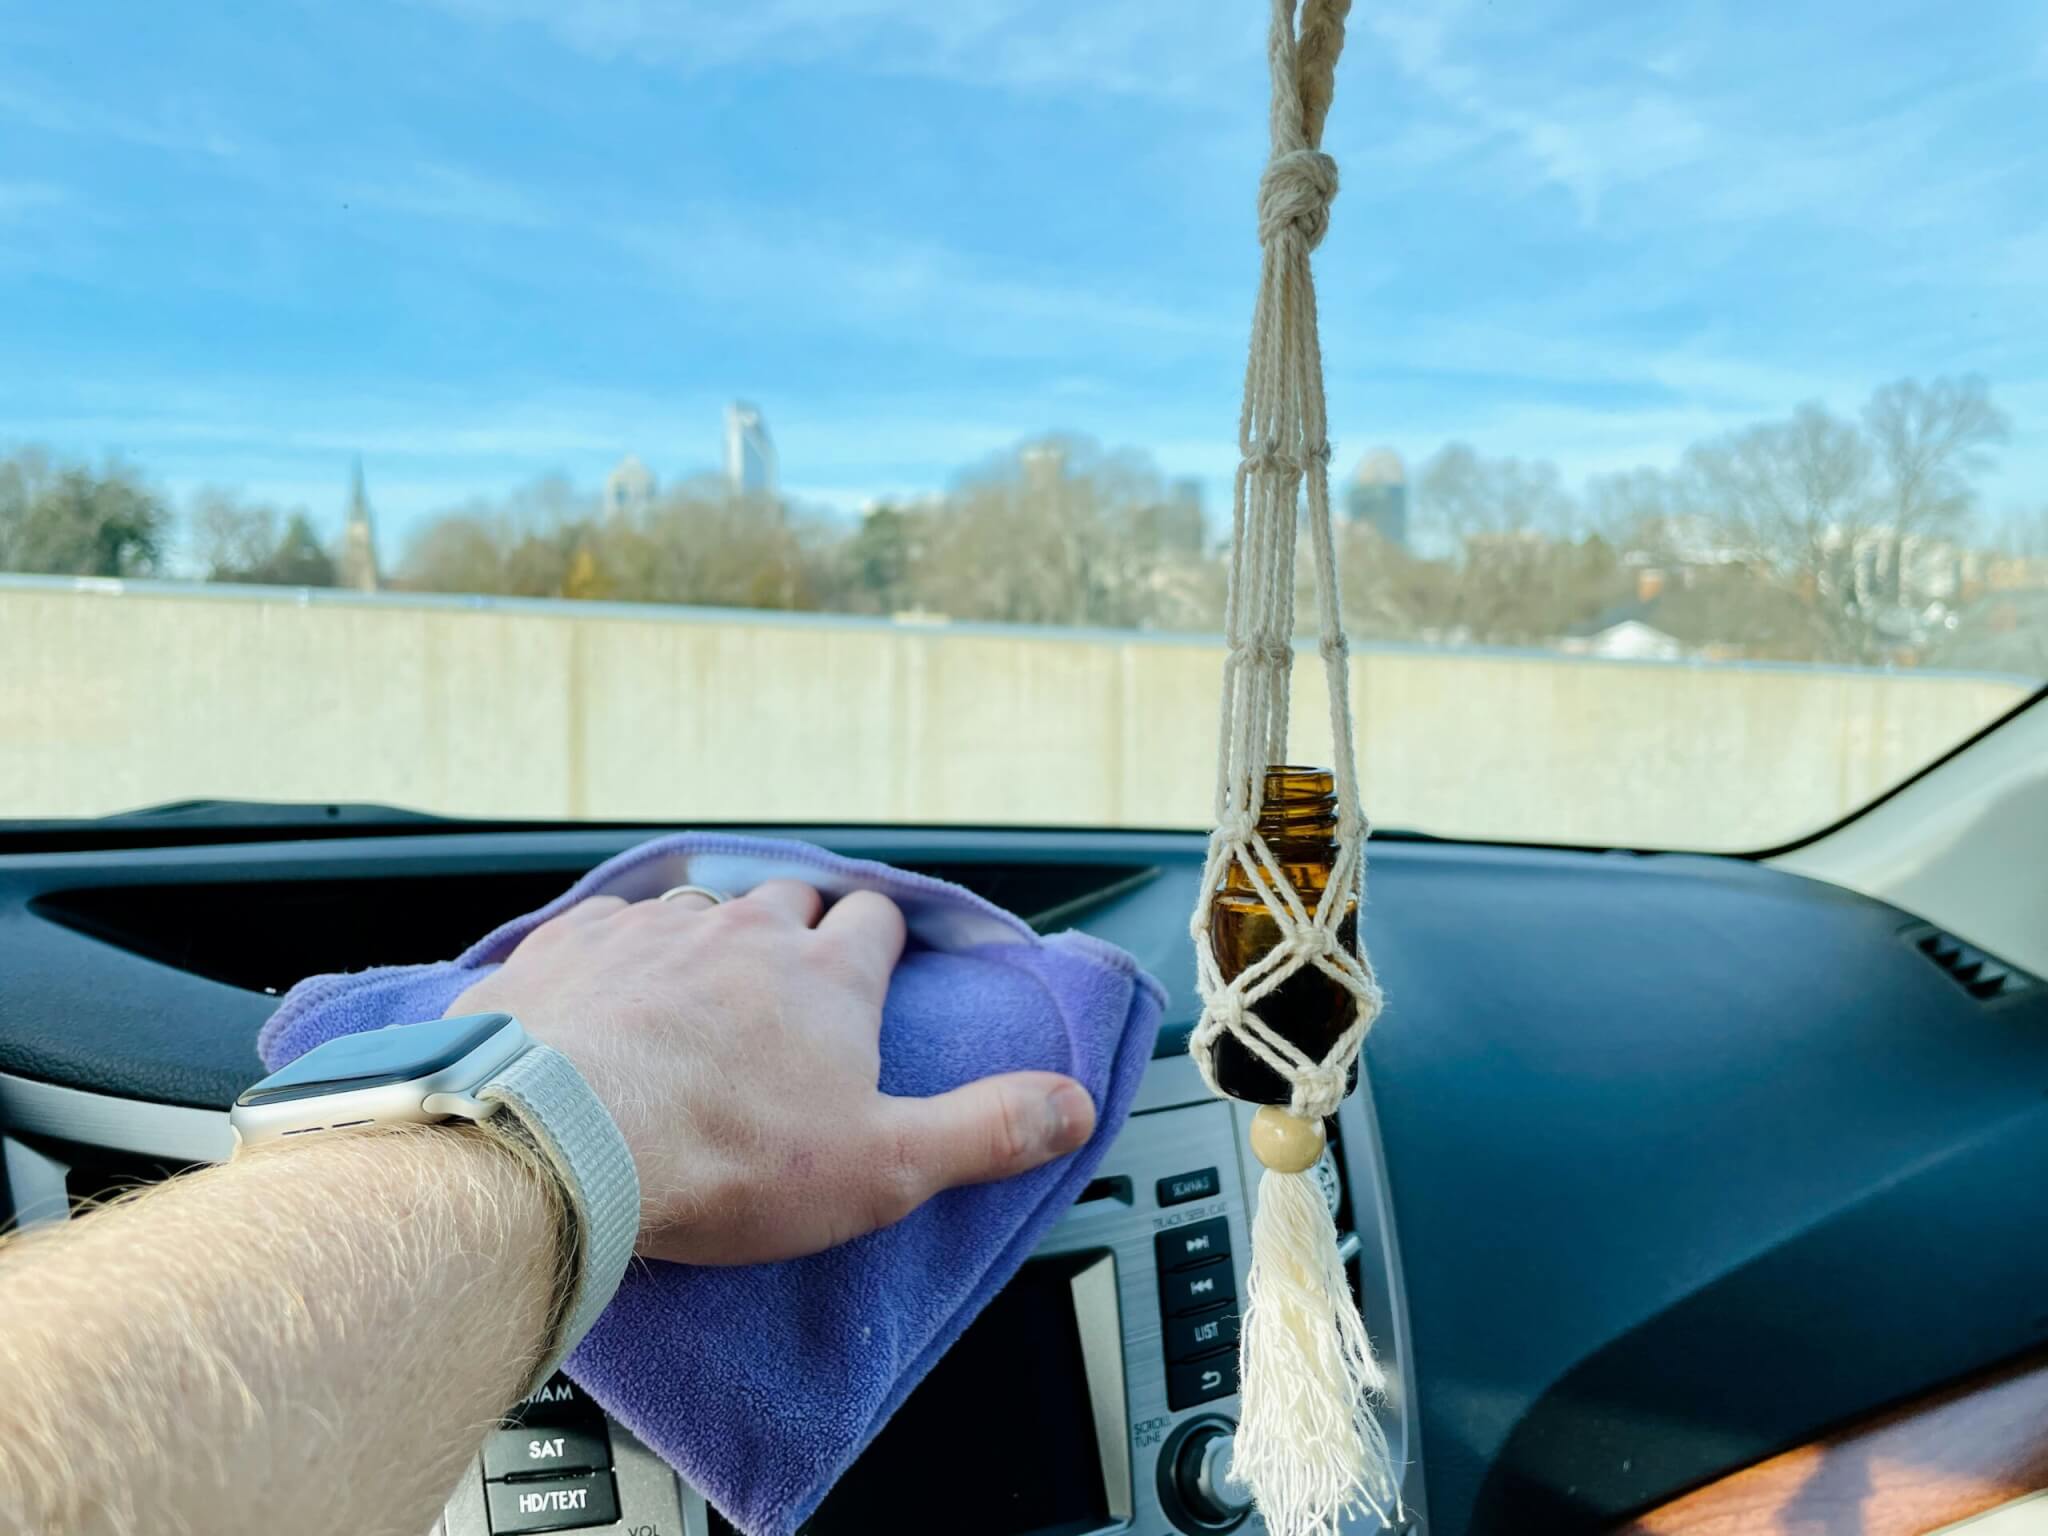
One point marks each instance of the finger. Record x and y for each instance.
(792, 898)
(994, 1128)
(867, 929)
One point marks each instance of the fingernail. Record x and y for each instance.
(1070, 1115)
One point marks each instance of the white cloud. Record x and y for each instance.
(866, 281)
(181, 123)
(1175, 52)
(1742, 240)
(1585, 140)
(1732, 127)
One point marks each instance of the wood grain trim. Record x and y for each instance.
(1937, 1460)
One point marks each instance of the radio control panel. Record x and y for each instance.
(1139, 1287)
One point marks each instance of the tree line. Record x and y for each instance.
(1815, 537)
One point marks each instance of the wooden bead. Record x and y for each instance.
(1284, 1142)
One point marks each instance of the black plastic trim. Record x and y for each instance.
(1691, 1158)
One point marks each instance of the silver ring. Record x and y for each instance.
(716, 898)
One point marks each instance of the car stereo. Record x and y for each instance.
(1096, 1393)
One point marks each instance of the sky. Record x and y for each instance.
(475, 241)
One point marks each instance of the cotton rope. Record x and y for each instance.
(1309, 1446)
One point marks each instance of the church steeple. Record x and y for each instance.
(359, 538)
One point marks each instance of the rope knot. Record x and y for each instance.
(1294, 195)
(1273, 653)
(1318, 940)
(1336, 648)
(1270, 457)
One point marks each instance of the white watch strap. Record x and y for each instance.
(558, 1109)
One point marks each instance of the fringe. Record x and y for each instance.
(1309, 1445)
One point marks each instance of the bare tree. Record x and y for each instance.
(534, 542)
(700, 543)
(1784, 539)
(1058, 532)
(1930, 441)
(230, 535)
(1642, 510)
(1463, 496)
(1389, 593)
(1796, 499)
(25, 477)
(1519, 574)
(455, 552)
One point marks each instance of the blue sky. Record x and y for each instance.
(478, 240)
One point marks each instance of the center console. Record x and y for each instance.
(1097, 1392)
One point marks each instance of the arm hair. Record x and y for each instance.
(311, 1338)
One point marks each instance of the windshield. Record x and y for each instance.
(811, 412)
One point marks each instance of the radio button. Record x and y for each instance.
(1189, 1290)
(552, 1504)
(1180, 1188)
(1195, 1243)
(1199, 1381)
(546, 1448)
(1201, 1333)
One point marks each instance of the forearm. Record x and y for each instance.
(312, 1338)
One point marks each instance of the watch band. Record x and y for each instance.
(572, 1129)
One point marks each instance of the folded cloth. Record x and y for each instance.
(761, 1384)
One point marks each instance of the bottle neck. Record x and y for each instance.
(1298, 821)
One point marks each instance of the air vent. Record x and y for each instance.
(1983, 976)
(265, 934)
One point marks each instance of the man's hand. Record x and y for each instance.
(736, 1046)
(310, 1337)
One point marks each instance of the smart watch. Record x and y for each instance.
(471, 1068)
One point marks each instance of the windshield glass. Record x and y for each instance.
(809, 412)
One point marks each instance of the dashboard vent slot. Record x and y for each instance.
(1983, 976)
(264, 935)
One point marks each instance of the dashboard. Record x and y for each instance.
(1662, 1164)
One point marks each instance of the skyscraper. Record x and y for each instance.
(749, 452)
(359, 538)
(1378, 496)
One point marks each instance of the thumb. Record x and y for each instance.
(993, 1128)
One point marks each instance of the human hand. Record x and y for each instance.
(736, 1047)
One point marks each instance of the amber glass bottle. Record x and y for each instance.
(1310, 1009)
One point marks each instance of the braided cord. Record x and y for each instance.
(1283, 459)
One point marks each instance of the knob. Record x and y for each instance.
(1196, 1486)
(1213, 1492)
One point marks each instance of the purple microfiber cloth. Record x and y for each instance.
(761, 1384)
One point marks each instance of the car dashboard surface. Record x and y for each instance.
(1684, 1160)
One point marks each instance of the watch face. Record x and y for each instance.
(397, 1053)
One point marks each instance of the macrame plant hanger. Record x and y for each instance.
(1309, 1446)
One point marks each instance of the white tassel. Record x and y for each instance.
(1308, 1446)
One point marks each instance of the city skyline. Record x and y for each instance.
(1565, 233)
